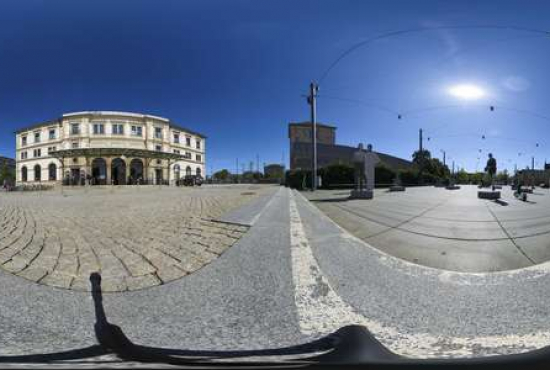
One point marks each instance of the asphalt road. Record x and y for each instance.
(294, 276)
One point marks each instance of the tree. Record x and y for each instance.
(502, 177)
(222, 175)
(431, 166)
(462, 177)
(6, 173)
(419, 157)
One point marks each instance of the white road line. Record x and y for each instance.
(322, 311)
(267, 205)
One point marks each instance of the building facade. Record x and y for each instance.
(103, 147)
(328, 152)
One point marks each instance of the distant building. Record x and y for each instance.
(328, 152)
(534, 177)
(274, 171)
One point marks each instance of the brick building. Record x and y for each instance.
(328, 152)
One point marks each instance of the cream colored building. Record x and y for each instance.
(101, 147)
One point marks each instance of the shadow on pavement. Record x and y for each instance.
(329, 200)
(352, 344)
(501, 202)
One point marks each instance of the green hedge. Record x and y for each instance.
(300, 179)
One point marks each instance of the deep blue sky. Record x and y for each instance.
(235, 70)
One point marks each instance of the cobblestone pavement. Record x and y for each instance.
(135, 237)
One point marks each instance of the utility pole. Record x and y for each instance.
(453, 168)
(312, 101)
(237, 171)
(257, 163)
(533, 163)
(421, 154)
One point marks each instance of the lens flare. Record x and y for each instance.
(467, 92)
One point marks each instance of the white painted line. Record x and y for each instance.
(321, 311)
(268, 204)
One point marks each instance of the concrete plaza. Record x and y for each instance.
(447, 229)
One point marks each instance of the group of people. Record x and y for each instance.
(6, 185)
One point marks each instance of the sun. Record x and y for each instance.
(467, 92)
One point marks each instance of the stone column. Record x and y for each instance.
(108, 162)
(128, 161)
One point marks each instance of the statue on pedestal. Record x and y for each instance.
(491, 168)
(364, 163)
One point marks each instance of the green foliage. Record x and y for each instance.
(6, 173)
(462, 177)
(222, 175)
(476, 178)
(336, 174)
(298, 179)
(420, 157)
(433, 167)
(409, 177)
(502, 177)
(384, 175)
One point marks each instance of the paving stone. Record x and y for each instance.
(136, 238)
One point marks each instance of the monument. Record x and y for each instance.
(491, 170)
(364, 163)
(452, 185)
(397, 186)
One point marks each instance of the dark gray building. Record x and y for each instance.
(328, 152)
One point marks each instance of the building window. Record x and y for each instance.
(75, 145)
(24, 155)
(176, 138)
(198, 144)
(37, 173)
(23, 140)
(75, 129)
(52, 134)
(37, 137)
(118, 129)
(52, 149)
(176, 151)
(158, 133)
(52, 172)
(198, 157)
(188, 171)
(24, 174)
(159, 161)
(99, 129)
(37, 153)
(188, 155)
(158, 148)
(137, 131)
(198, 171)
(188, 141)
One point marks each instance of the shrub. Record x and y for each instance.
(336, 174)
(409, 177)
(298, 179)
(384, 175)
